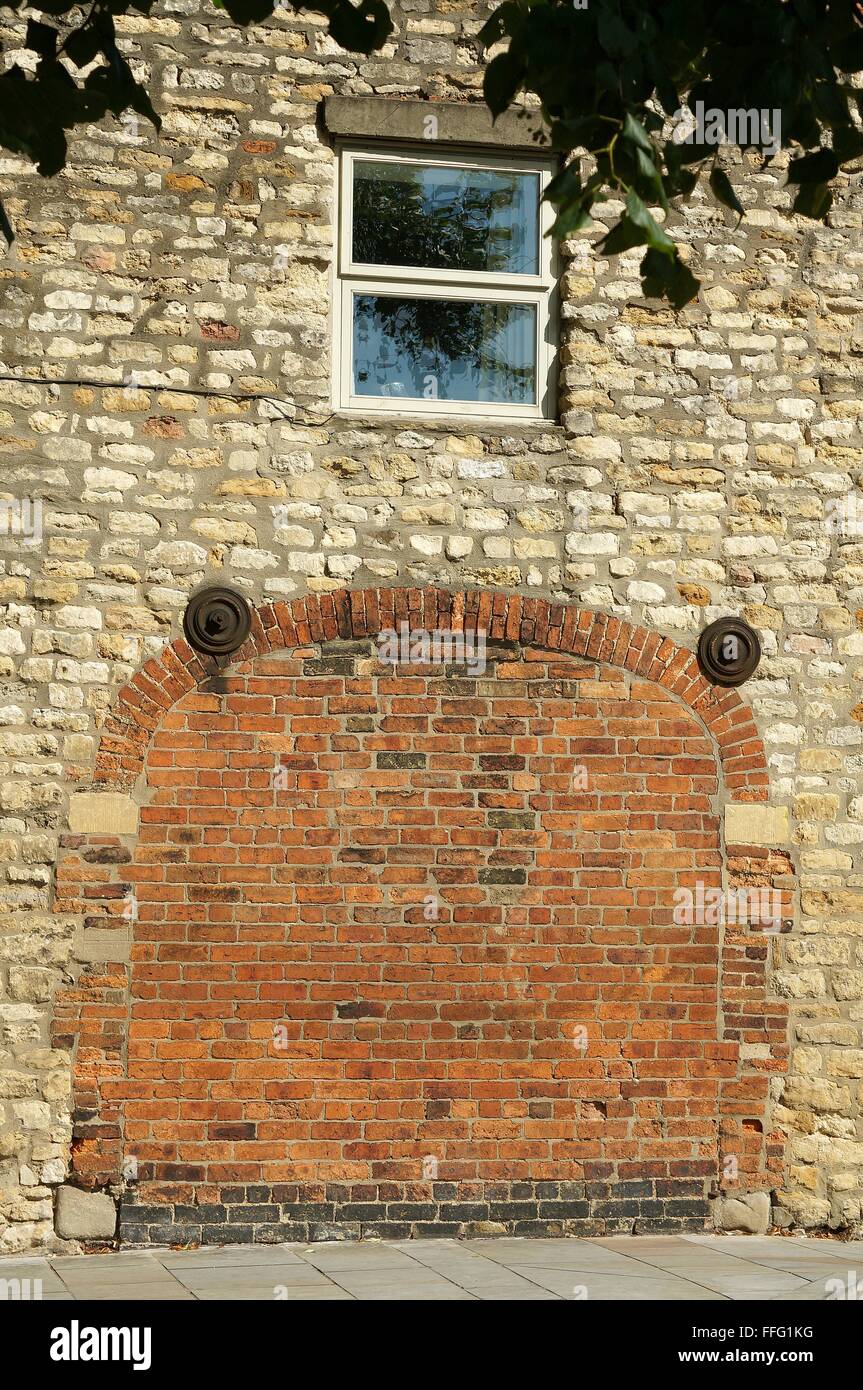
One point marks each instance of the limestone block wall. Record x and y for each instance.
(165, 396)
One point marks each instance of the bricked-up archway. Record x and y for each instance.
(429, 973)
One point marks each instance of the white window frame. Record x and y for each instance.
(423, 282)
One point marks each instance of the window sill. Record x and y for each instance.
(444, 424)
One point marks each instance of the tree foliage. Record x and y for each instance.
(72, 72)
(612, 77)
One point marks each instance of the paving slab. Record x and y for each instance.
(481, 1277)
(229, 1256)
(517, 1294)
(714, 1268)
(816, 1292)
(696, 1266)
(145, 1292)
(110, 1259)
(331, 1294)
(419, 1282)
(566, 1254)
(29, 1273)
(581, 1287)
(393, 1293)
(24, 1266)
(808, 1258)
(87, 1274)
(359, 1258)
(259, 1276)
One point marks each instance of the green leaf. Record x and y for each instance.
(607, 77)
(571, 219)
(633, 130)
(622, 237)
(617, 40)
(582, 134)
(819, 167)
(723, 191)
(650, 178)
(56, 7)
(565, 186)
(663, 79)
(686, 153)
(654, 235)
(365, 27)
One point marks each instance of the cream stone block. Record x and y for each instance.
(753, 823)
(103, 813)
(96, 945)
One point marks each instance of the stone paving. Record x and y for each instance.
(622, 1268)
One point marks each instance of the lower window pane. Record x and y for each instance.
(444, 349)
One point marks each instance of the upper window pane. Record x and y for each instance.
(445, 218)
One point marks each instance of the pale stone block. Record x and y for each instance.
(748, 1212)
(103, 813)
(84, 1215)
(752, 823)
(111, 944)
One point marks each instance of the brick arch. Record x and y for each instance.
(113, 1014)
(363, 613)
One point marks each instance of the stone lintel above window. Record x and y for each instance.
(433, 122)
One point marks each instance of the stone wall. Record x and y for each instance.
(165, 317)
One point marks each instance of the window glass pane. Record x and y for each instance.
(444, 349)
(445, 217)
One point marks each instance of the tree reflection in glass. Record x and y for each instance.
(445, 217)
(444, 349)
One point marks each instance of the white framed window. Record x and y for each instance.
(445, 299)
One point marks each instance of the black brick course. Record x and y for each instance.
(265, 1215)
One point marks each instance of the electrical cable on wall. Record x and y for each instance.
(200, 391)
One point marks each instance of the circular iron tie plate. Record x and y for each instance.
(217, 621)
(728, 651)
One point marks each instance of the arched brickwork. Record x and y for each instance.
(361, 613)
(549, 1050)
